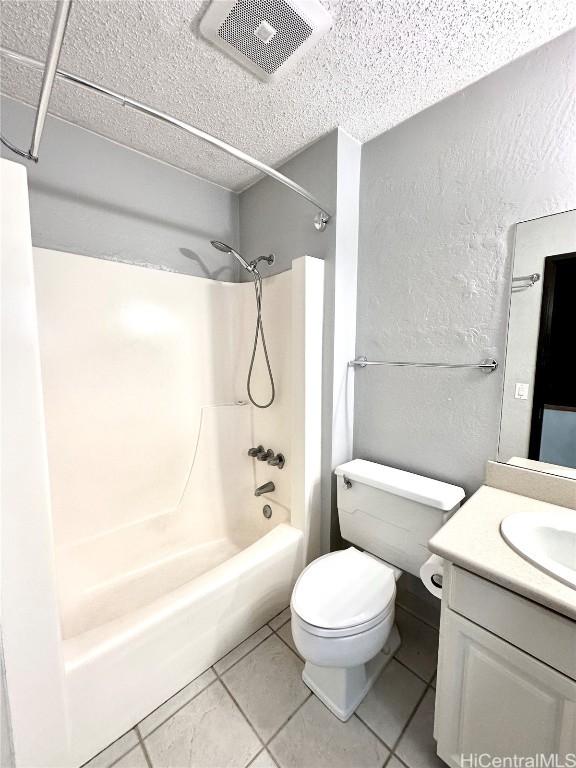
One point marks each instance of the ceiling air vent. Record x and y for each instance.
(265, 36)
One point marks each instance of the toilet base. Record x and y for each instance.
(342, 689)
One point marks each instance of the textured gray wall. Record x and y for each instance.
(91, 196)
(439, 196)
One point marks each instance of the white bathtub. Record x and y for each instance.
(173, 639)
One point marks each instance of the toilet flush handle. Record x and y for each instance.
(347, 482)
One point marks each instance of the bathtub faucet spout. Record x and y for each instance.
(266, 488)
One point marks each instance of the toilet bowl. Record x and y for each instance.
(343, 603)
(343, 625)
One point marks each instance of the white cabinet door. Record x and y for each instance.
(494, 699)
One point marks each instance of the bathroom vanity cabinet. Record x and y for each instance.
(506, 674)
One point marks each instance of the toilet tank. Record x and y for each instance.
(391, 513)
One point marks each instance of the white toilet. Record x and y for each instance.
(343, 603)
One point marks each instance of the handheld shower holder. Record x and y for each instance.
(270, 259)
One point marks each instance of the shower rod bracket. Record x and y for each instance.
(488, 365)
(321, 220)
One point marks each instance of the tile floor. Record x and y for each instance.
(252, 709)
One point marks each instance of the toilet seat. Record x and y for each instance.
(343, 593)
(346, 631)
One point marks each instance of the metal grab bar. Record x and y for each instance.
(59, 24)
(321, 218)
(489, 365)
(525, 281)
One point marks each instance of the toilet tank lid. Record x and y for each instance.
(424, 490)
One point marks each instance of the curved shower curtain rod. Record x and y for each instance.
(51, 72)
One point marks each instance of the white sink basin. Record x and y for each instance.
(548, 540)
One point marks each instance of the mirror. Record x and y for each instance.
(538, 422)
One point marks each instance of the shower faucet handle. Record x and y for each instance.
(277, 461)
(265, 455)
(256, 451)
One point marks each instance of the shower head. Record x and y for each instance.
(227, 249)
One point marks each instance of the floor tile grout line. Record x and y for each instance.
(256, 756)
(279, 612)
(171, 715)
(388, 758)
(418, 675)
(286, 645)
(391, 749)
(402, 763)
(259, 643)
(285, 723)
(120, 757)
(277, 731)
(417, 616)
(281, 625)
(144, 748)
(407, 723)
(244, 715)
(372, 731)
(289, 646)
(275, 617)
(395, 756)
(262, 751)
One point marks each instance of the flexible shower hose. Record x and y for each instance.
(259, 331)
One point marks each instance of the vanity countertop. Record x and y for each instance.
(472, 539)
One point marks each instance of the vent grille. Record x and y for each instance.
(238, 30)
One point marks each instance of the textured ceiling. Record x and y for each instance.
(383, 61)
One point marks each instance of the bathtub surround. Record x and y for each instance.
(440, 195)
(271, 219)
(92, 196)
(171, 558)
